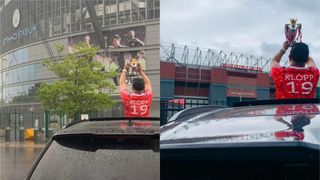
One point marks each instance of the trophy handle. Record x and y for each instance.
(286, 31)
(299, 32)
(286, 27)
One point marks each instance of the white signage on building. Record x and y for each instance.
(19, 34)
(16, 18)
(84, 116)
(36, 123)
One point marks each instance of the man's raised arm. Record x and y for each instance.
(123, 77)
(147, 82)
(277, 58)
(310, 62)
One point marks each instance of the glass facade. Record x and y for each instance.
(15, 58)
(42, 21)
(46, 19)
(22, 74)
(22, 93)
(20, 78)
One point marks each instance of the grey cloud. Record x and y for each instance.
(269, 49)
(245, 26)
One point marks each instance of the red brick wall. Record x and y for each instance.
(180, 73)
(190, 91)
(263, 80)
(191, 74)
(242, 81)
(218, 76)
(167, 71)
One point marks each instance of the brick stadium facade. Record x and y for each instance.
(185, 86)
(217, 84)
(194, 76)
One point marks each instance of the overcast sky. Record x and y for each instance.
(253, 27)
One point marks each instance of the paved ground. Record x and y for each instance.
(16, 159)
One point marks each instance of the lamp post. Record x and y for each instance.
(46, 117)
(3, 59)
(31, 110)
(2, 90)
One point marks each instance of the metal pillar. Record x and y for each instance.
(21, 134)
(7, 134)
(47, 118)
(36, 131)
(95, 23)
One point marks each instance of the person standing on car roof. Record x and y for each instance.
(117, 57)
(300, 78)
(138, 102)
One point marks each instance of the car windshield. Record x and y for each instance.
(100, 157)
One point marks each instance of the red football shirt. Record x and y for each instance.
(295, 82)
(303, 109)
(136, 105)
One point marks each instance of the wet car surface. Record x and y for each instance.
(265, 141)
(98, 149)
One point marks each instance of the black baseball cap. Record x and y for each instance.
(299, 53)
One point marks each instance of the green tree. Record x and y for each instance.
(83, 87)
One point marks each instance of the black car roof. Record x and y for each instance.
(113, 126)
(276, 102)
(239, 108)
(244, 124)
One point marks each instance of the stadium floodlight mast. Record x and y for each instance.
(186, 55)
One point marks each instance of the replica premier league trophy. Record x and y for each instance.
(133, 61)
(134, 65)
(293, 32)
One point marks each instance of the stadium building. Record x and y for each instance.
(30, 29)
(193, 76)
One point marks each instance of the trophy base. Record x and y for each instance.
(132, 75)
(291, 44)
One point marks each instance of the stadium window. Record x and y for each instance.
(99, 10)
(135, 16)
(73, 27)
(100, 20)
(157, 13)
(150, 14)
(157, 3)
(106, 21)
(142, 14)
(121, 6)
(127, 6)
(113, 20)
(142, 4)
(127, 17)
